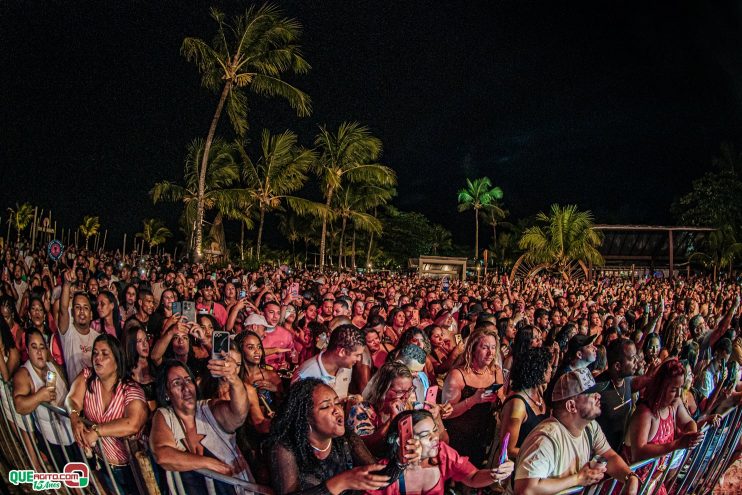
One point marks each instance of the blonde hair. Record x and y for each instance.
(465, 360)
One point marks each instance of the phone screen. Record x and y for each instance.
(219, 344)
(494, 388)
(177, 307)
(243, 293)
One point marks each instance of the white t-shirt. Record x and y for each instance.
(313, 368)
(551, 451)
(77, 350)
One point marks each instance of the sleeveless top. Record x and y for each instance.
(531, 421)
(471, 433)
(43, 416)
(216, 442)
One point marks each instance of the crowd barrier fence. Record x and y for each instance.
(684, 472)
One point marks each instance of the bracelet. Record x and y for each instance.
(631, 474)
(74, 411)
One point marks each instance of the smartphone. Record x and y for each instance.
(219, 344)
(431, 396)
(457, 338)
(243, 293)
(177, 307)
(405, 433)
(51, 378)
(504, 448)
(294, 290)
(598, 460)
(189, 311)
(494, 388)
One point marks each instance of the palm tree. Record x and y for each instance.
(221, 174)
(347, 157)
(281, 170)
(721, 249)
(154, 232)
(493, 215)
(90, 226)
(564, 236)
(352, 202)
(477, 195)
(20, 218)
(250, 52)
(440, 239)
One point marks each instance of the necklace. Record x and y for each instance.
(329, 444)
(474, 370)
(539, 403)
(621, 395)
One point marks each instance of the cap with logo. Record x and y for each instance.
(575, 383)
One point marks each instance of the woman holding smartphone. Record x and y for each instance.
(469, 389)
(439, 462)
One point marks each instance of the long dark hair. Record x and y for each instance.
(122, 375)
(240, 340)
(115, 315)
(290, 427)
(131, 354)
(6, 335)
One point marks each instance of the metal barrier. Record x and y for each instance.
(19, 449)
(688, 471)
(683, 472)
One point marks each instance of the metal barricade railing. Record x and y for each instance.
(697, 470)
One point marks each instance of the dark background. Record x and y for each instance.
(615, 106)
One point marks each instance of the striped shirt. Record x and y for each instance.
(113, 448)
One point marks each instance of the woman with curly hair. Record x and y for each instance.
(675, 335)
(466, 389)
(659, 417)
(525, 338)
(525, 407)
(316, 454)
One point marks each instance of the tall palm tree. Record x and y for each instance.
(20, 218)
(352, 203)
(477, 195)
(90, 226)
(222, 174)
(564, 236)
(251, 51)
(493, 215)
(281, 170)
(347, 157)
(440, 238)
(154, 232)
(720, 250)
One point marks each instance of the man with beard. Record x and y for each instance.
(620, 383)
(558, 453)
(77, 335)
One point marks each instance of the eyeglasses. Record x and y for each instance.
(403, 393)
(181, 382)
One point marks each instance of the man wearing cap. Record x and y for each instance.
(559, 453)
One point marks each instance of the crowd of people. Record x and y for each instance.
(306, 381)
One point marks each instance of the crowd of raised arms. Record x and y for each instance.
(510, 386)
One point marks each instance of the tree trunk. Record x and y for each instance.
(260, 231)
(353, 251)
(324, 232)
(293, 252)
(242, 241)
(476, 235)
(202, 171)
(87, 238)
(368, 253)
(341, 251)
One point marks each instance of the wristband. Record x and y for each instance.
(631, 474)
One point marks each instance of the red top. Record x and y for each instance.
(451, 465)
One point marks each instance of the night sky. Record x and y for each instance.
(615, 106)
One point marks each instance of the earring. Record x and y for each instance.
(167, 398)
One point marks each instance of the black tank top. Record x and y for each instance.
(532, 419)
